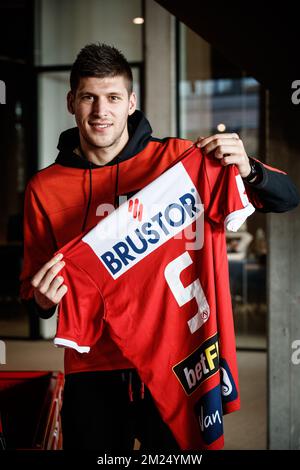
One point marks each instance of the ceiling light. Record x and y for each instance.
(138, 20)
(221, 127)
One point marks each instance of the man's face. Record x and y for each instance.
(101, 107)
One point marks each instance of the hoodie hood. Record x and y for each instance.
(139, 135)
(139, 131)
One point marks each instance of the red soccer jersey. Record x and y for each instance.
(155, 271)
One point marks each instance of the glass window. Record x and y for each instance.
(53, 114)
(15, 130)
(209, 105)
(36, 112)
(63, 27)
(215, 97)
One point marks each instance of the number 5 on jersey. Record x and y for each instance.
(184, 294)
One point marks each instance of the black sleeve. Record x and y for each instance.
(35, 309)
(275, 191)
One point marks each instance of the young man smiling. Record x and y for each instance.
(101, 107)
(107, 155)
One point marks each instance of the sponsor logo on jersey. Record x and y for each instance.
(209, 415)
(167, 206)
(136, 208)
(198, 366)
(229, 390)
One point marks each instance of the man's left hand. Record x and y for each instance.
(228, 148)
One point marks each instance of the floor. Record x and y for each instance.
(245, 429)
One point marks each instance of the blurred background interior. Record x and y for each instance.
(192, 77)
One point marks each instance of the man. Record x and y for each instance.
(105, 156)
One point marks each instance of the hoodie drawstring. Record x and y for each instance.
(131, 387)
(116, 198)
(142, 390)
(130, 390)
(89, 199)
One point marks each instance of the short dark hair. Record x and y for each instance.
(100, 60)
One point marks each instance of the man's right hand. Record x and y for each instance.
(48, 287)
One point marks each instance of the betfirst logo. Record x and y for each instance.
(198, 366)
(157, 213)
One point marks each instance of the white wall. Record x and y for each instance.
(68, 25)
(160, 69)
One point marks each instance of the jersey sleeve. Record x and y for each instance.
(229, 205)
(80, 311)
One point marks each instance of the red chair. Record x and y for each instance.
(30, 404)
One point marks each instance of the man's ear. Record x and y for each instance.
(70, 102)
(132, 103)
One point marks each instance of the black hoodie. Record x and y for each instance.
(139, 131)
(139, 135)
